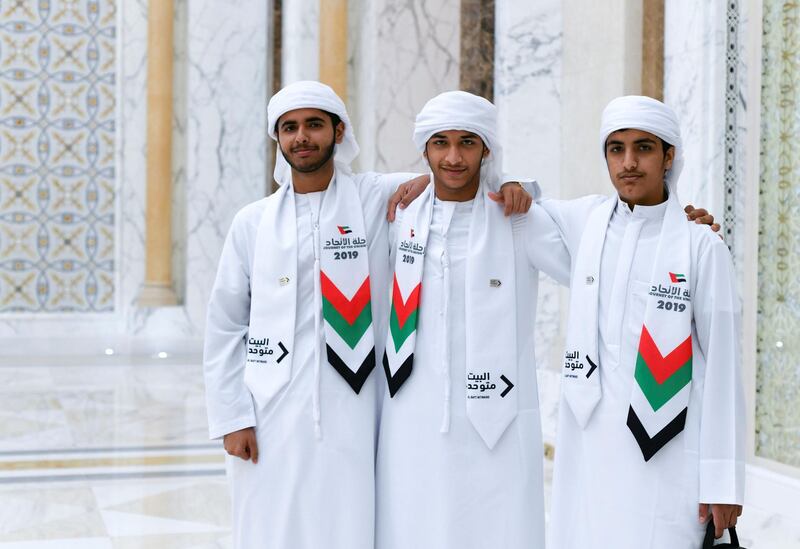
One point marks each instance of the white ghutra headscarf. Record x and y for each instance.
(460, 110)
(311, 94)
(648, 115)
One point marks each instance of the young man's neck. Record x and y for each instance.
(312, 182)
(464, 194)
(646, 201)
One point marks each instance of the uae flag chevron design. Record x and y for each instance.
(349, 339)
(398, 359)
(661, 394)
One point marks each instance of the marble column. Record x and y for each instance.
(333, 45)
(157, 290)
(653, 49)
(477, 47)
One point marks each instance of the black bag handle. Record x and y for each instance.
(708, 542)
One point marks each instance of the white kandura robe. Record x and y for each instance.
(304, 493)
(448, 490)
(604, 493)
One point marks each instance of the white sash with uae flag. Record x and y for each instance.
(343, 266)
(491, 327)
(663, 372)
(344, 280)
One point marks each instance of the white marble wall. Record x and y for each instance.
(220, 160)
(601, 60)
(219, 150)
(528, 65)
(229, 64)
(694, 82)
(406, 53)
(300, 40)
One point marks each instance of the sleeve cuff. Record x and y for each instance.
(219, 430)
(530, 185)
(721, 481)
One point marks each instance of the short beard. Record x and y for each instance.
(314, 167)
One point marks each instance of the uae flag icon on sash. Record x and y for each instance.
(676, 277)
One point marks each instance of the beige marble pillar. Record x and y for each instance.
(333, 45)
(653, 49)
(157, 290)
(476, 73)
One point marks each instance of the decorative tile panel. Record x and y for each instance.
(57, 160)
(778, 374)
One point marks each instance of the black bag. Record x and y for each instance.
(708, 543)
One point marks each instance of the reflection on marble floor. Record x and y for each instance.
(135, 513)
(116, 455)
(109, 455)
(64, 407)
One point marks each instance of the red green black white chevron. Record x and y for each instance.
(399, 357)
(348, 320)
(661, 379)
(651, 445)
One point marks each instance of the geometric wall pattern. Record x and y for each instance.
(731, 183)
(778, 345)
(57, 81)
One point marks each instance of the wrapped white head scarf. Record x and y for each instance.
(638, 112)
(308, 94)
(459, 110)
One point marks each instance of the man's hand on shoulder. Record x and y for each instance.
(405, 194)
(701, 217)
(513, 197)
(242, 444)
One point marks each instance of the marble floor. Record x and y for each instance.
(114, 454)
(110, 455)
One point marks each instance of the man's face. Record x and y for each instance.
(636, 165)
(455, 158)
(306, 138)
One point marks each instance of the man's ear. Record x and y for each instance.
(669, 157)
(339, 133)
(486, 152)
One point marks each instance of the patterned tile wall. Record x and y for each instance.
(57, 80)
(778, 346)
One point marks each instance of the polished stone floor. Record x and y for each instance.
(111, 455)
(115, 454)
